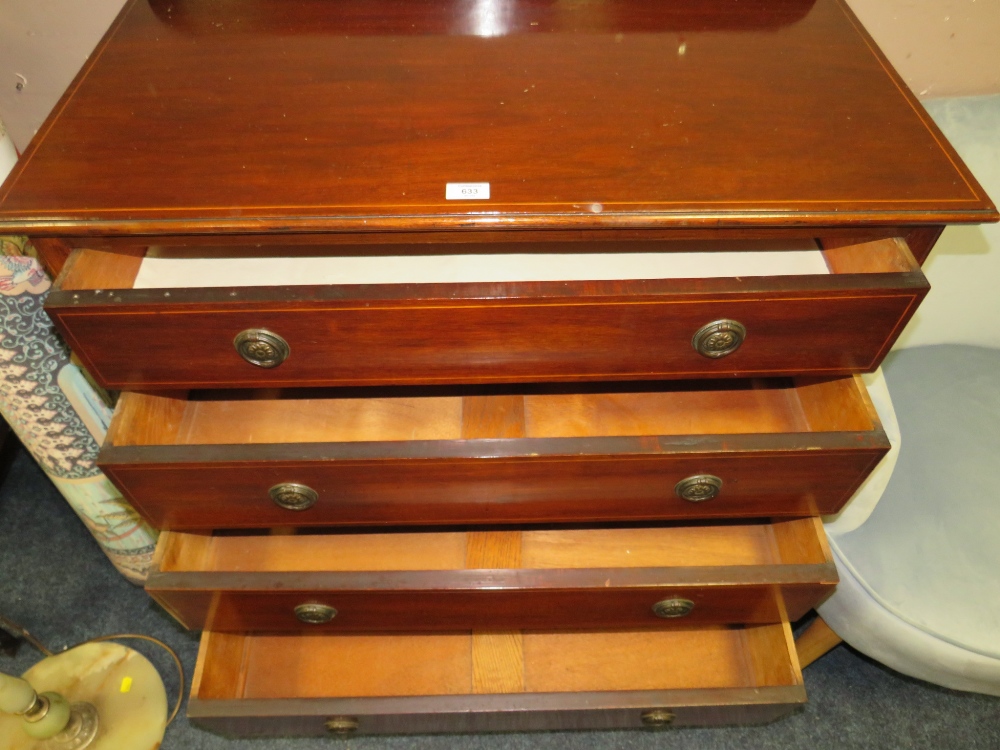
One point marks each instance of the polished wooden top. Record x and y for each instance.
(250, 116)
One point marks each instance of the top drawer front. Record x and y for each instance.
(371, 334)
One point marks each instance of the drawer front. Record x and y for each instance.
(476, 714)
(748, 449)
(128, 347)
(460, 581)
(529, 489)
(249, 686)
(839, 323)
(628, 601)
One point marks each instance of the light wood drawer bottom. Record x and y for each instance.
(545, 454)
(459, 581)
(511, 681)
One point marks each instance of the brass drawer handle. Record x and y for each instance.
(261, 347)
(657, 717)
(719, 338)
(315, 614)
(292, 496)
(669, 609)
(341, 725)
(698, 488)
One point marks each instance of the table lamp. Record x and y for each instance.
(99, 695)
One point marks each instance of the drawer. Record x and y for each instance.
(545, 454)
(462, 580)
(278, 685)
(522, 317)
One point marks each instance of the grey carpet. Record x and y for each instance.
(55, 581)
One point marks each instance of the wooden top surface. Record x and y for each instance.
(352, 115)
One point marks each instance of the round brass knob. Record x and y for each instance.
(698, 488)
(261, 347)
(341, 725)
(292, 496)
(719, 338)
(657, 717)
(668, 609)
(315, 614)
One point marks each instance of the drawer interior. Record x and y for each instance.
(181, 267)
(258, 667)
(742, 546)
(552, 579)
(333, 416)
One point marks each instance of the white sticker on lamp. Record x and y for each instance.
(467, 191)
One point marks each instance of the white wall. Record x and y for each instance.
(46, 42)
(963, 305)
(940, 47)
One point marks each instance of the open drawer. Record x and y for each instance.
(494, 580)
(157, 318)
(254, 685)
(544, 454)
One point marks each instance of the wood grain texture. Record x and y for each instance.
(336, 666)
(557, 154)
(139, 419)
(815, 641)
(738, 120)
(493, 549)
(497, 581)
(221, 669)
(501, 332)
(493, 417)
(763, 647)
(498, 662)
(427, 242)
(768, 476)
(103, 271)
(358, 666)
(836, 404)
(53, 253)
(544, 414)
(705, 544)
(800, 540)
(860, 256)
(497, 657)
(921, 241)
(496, 713)
(592, 681)
(284, 418)
(592, 662)
(780, 448)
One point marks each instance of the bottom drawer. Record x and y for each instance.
(255, 685)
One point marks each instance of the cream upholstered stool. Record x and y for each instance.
(918, 551)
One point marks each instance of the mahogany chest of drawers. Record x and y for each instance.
(487, 365)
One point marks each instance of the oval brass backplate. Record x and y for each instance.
(293, 496)
(719, 338)
(315, 614)
(657, 717)
(668, 609)
(341, 725)
(261, 347)
(698, 488)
